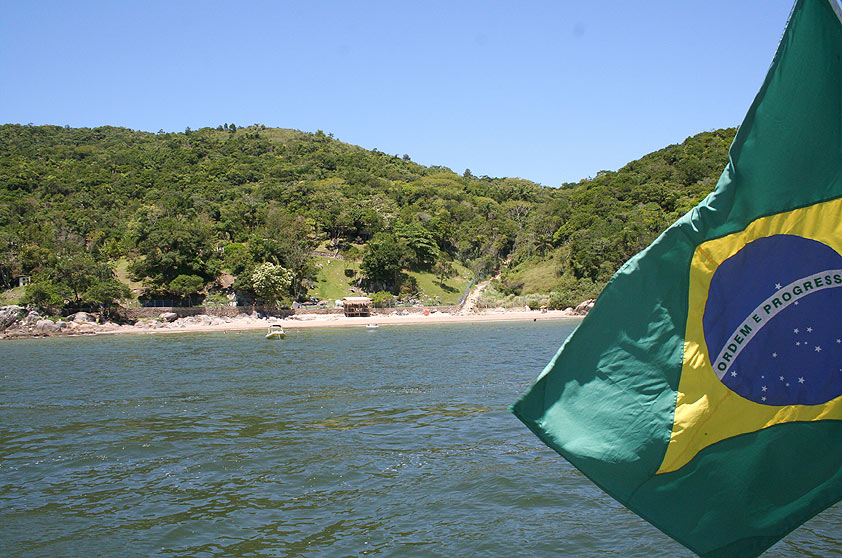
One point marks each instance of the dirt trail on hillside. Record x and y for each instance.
(470, 304)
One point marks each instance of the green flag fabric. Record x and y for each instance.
(704, 389)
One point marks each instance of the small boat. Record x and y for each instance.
(371, 326)
(275, 331)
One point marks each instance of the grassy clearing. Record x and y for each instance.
(539, 277)
(331, 281)
(12, 296)
(428, 284)
(121, 270)
(333, 284)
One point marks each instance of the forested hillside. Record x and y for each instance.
(184, 209)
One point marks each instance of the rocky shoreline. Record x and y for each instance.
(17, 322)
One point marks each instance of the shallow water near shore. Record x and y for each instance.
(396, 441)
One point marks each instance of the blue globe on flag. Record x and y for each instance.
(773, 321)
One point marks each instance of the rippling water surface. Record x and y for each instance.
(337, 442)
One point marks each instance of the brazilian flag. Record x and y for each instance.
(704, 389)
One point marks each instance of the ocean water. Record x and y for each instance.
(335, 442)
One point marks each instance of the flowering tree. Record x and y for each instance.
(271, 283)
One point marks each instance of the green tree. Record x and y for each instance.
(75, 275)
(384, 260)
(186, 285)
(45, 294)
(423, 249)
(78, 273)
(237, 258)
(443, 269)
(382, 299)
(171, 247)
(106, 294)
(76, 281)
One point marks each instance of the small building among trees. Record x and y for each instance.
(355, 306)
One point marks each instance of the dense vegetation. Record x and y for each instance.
(186, 209)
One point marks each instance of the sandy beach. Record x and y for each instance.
(205, 323)
(315, 320)
(305, 321)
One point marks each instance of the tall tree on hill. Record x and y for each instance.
(384, 259)
(423, 249)
(171, 247)
(443, 268)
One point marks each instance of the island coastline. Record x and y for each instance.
(244, 322)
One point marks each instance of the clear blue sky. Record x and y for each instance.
(552, 91)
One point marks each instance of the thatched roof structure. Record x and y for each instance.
(356, 306)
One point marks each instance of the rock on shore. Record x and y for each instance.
(18, 322)
(584, 307)
(9, 315)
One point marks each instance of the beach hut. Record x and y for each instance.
(356, 306)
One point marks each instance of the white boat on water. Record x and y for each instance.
(275, 331)
(371, 326)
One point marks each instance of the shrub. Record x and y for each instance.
(215, 300)
(571, 292)
(382, 299)
(536, 301)
(45, 295)
(510, 285)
